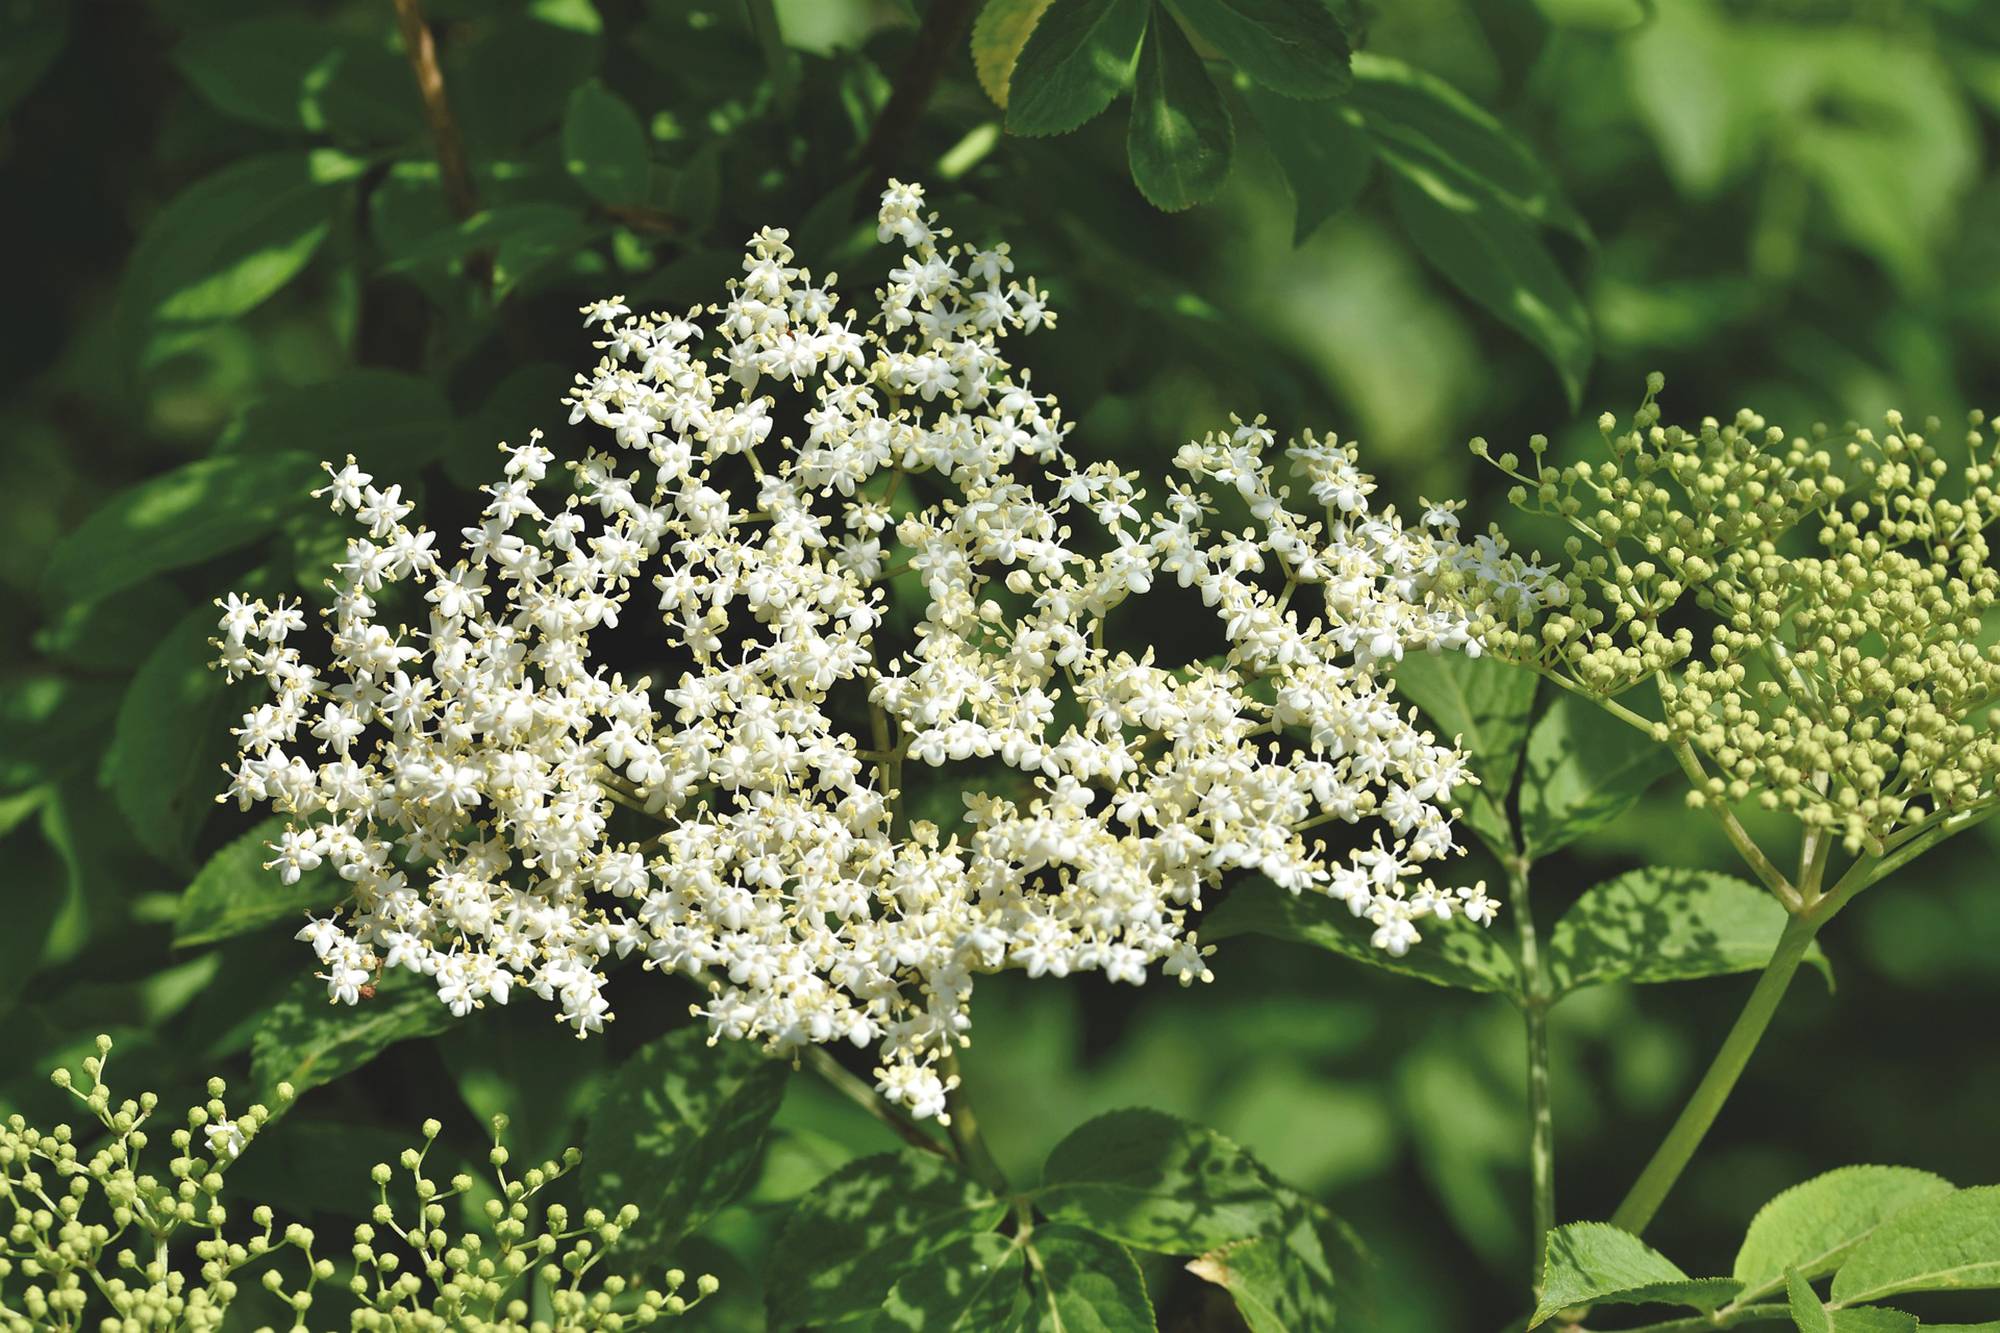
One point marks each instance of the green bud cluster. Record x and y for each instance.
(98, 1241)
(1810, 609)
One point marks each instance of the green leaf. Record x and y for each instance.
(1080, 1283)
(1812, 1226)
(1498, 261)
(1293, 47)
(1584, 769)
(234, 894)
(510, 1060)
(604, 145)
(287, 73)
(1948, 1243)
(1484, 704)
(510, 75)
(232, 240)
(170, 741)
(1667, 924)
(1325, 154)
(1180, 138)
(48, 725)
(998, 34)
(32, 35)
(392, 422)
(113, 633)
(1073, 64)
(1593, 1262)
(679, 1129)
(1454, 953)
(1157, 1182)
(1283, 1283)
(522, 233)
(972, 1285)
(1433, 132)
(1879, 1319)
(1807, 1310)
(844, 1245)
(307, 1040)
(179, 518)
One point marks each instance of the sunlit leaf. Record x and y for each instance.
(678, 1129)
(306, 1040)
(998, 35)
(233, 893)
(1583, 769)
(1083, 1282)
(1283, 1283)
(1156, 1182)
(1811, 1227)
(845, 1244)
(1453, 953)
(1667, 924)
(1591, 1262)
(1074, 62)
(1293, 47)
(1484, 705)
(1180, 139)
(973, 1284)
(1948, 1243)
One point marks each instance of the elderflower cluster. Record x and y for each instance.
(1810, 609)
(881, 580)
(97, 1241)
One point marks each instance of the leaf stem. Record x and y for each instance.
(1675, 1151)
(858, 1091)
(965, 1136)
(1535, 1002)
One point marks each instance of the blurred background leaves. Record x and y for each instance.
(232, 250)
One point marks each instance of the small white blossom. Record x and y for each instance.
(915, 576)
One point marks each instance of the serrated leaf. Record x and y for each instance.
(1667, 924)
(1293, 47)
(1283, 1283)
(1073, 64)
(678, 1130)
(229, 242)
(234, 894)
(1499, 261)
(307, 1040)
(845, 1244)
(1584, 768)
(972, 1285)
(170, 740)
(1454, 953)
(1434, 131)
(604, 145)
(1180, 138)
(193, 513)
(1320, 146)
(288, 73)
(385, 418)
(1949, 1243)
(1157, 1182)
(1812, 1226)
(1484, 705)
(1587, 1263)
(998, 35)
(1080, 1283)
(1879, 1319)
(1808, 1312)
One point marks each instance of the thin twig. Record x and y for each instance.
(456, 176)
(857, 1090)
(945, 25)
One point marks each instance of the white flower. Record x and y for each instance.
(226, 1139)
(782, 811)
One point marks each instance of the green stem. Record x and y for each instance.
(1674, 1152)
(1535, 1014)
(858, 1091)
(965, 1136)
